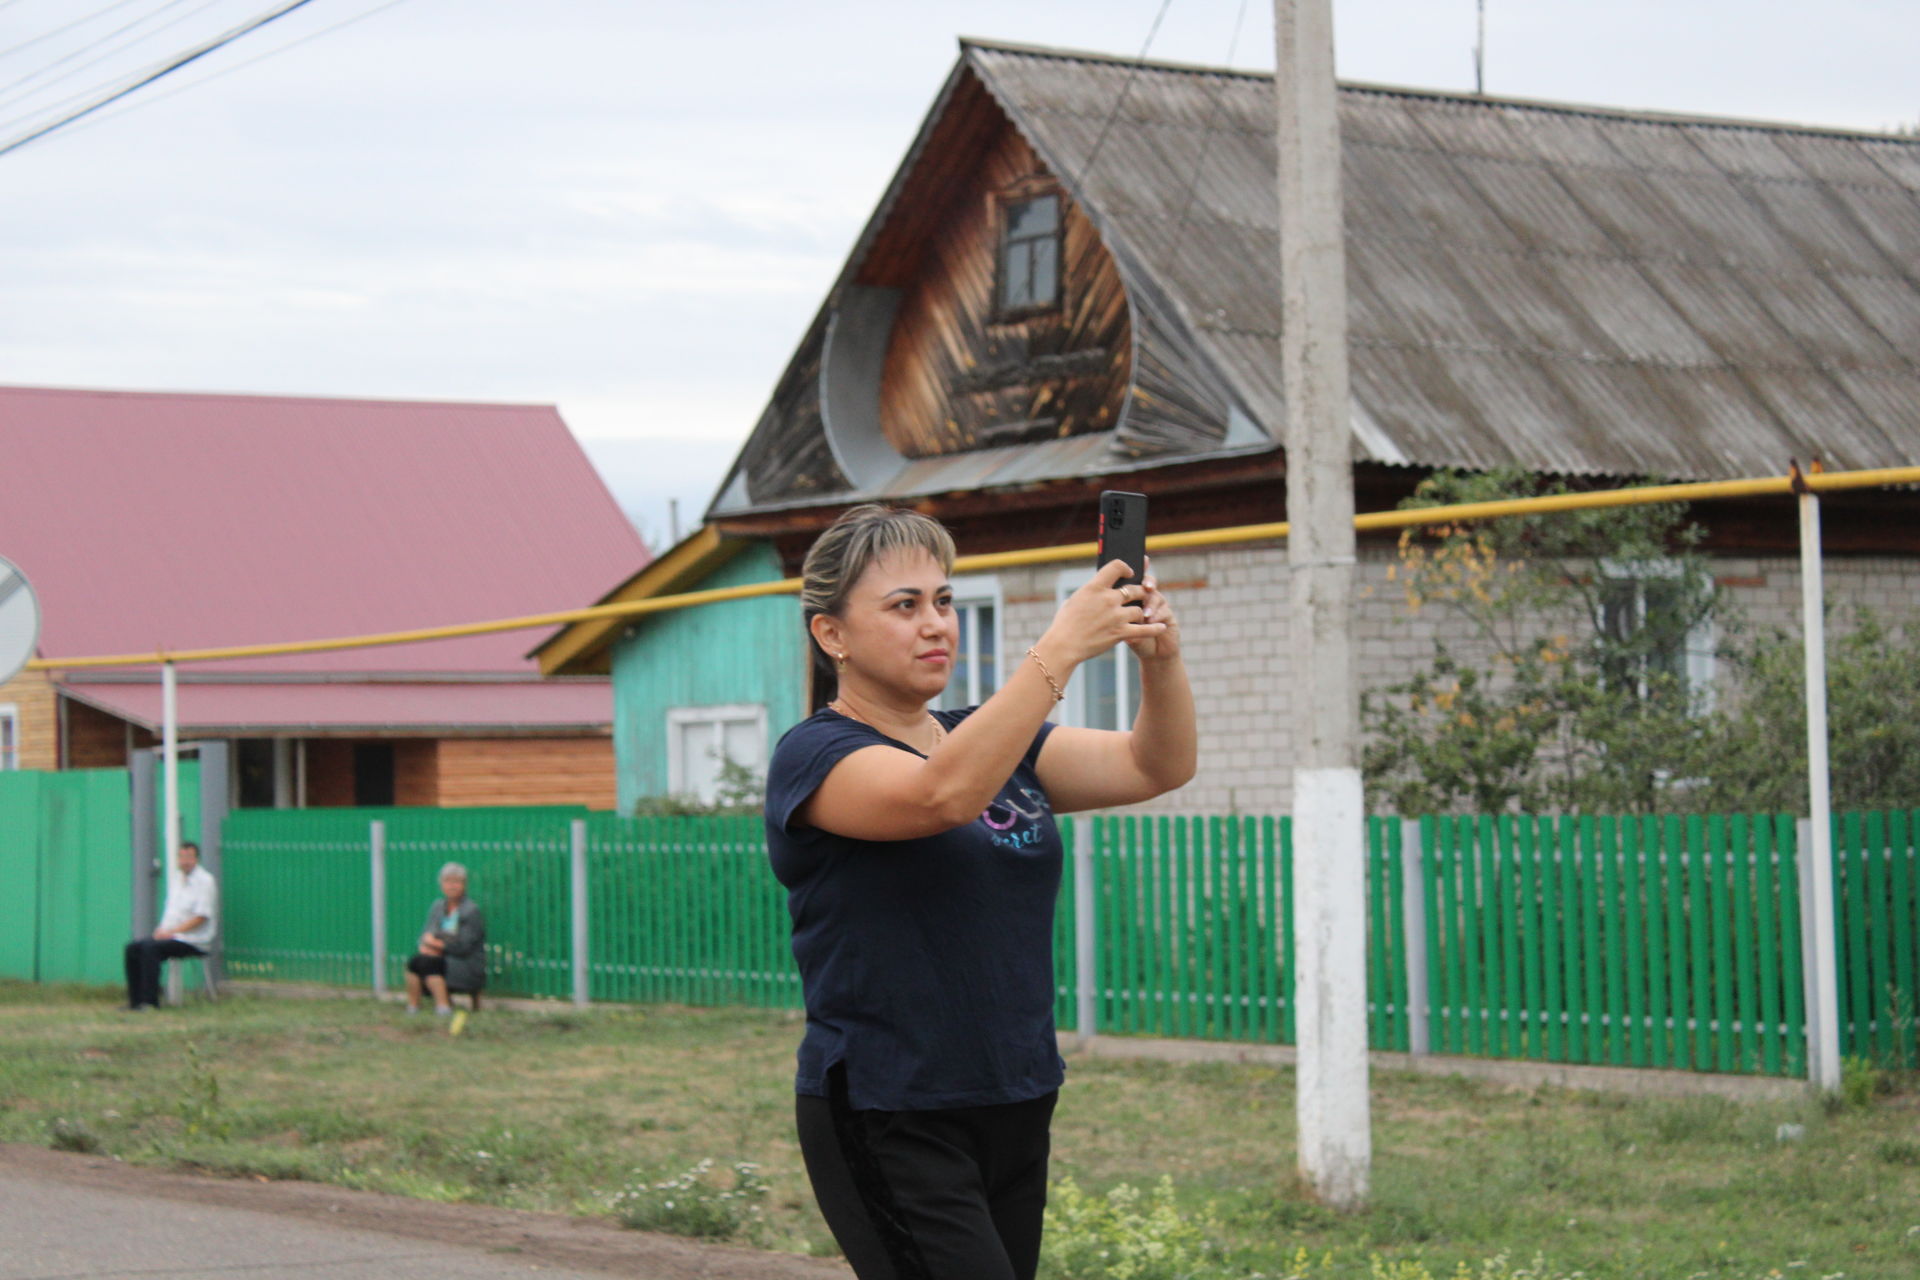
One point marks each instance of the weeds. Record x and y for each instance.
(1125, 1234)
(692, 1204)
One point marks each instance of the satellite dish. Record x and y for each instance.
(19, 620)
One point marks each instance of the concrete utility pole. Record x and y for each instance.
(1329, 816)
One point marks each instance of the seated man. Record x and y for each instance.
(186, 929)
(452, 955)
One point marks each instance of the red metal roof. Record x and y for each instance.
(159, 520)
(259, 709)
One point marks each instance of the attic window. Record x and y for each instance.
(1029, 254)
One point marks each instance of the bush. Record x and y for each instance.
(1124, 1235)
(70, 1133)
(689, 1204)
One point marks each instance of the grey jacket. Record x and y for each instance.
(466, 944)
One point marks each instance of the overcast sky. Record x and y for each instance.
(632, 209)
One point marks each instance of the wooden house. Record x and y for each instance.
(150, 522)
(1072, 284)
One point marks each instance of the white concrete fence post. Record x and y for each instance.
(1413, 929)
(1819, 963)
(377, 859)
(1086, 949)
(578, 863)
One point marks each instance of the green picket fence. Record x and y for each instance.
(685, 911)
(1652, 942)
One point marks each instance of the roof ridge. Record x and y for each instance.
(1463, 97)
(139, 393)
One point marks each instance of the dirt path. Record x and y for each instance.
(554, 1240)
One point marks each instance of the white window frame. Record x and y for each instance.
(678, 720)
(967, 687)
(10, 736)
(1698, 667)
(1126, 679)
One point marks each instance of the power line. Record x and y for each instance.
(191, 55)
(60, 31)
(7, 93)
(1178, 239)
(1126, 87)
(152, 98)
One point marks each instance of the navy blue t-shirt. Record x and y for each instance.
(927, 964)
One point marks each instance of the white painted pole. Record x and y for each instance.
(582, 993)
(1329, 816)
(1822, 965)
(1413, 928)
(377, 854)
(1086, 950)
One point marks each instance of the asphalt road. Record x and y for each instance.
(66, 1216)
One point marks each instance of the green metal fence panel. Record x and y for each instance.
(295, 900)
(518, 865)
(20, 872)
(66, 871)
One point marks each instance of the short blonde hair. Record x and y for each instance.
(837, 559)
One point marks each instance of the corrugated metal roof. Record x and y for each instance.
(384, 707)
(1566, 289)
(149, 521)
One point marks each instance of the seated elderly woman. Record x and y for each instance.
(452, 955)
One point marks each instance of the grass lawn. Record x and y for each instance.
(561, 1110)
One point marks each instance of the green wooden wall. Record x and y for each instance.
(743, 651)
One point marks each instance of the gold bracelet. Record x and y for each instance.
(1058, 692)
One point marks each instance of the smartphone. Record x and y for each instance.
(1123, 533)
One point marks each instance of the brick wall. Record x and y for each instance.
(1234, 604)
(32, 696)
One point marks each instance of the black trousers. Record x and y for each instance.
(955, 1194)
(427, 966)
(144, 956)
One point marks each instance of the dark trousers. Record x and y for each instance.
(956, 1194)
(144, 956)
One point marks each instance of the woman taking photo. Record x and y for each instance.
(922, 862)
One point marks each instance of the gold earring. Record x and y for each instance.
(840, 661)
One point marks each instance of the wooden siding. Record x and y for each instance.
(416, 772)
(957, 376)
(98, 740)
(477, 771)
(31, 694)
(743, 651)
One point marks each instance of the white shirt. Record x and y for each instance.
(192, 895)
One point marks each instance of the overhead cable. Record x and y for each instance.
(147, 100)
(60, 31)
(25, 86)
(1126, 87)
(191, 55)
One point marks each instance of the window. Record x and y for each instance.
(1658, 628)
(373, 775)
(702, 740)
(976, 668)
(1102, 693)
(1029, 254)
(9, 736)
